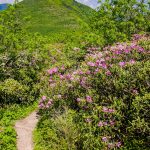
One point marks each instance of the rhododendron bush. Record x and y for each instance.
(22, 57)
(109, 92)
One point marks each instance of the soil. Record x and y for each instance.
(24, 129)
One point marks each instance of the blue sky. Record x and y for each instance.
(91, 3)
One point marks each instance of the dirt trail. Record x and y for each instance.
(24, 129)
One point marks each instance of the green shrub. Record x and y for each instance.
(105, 91)
(58, 133)
(117, 20)
(22, 57)
(8, 115)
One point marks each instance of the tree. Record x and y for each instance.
(118, 19)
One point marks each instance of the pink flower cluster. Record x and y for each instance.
(45, 103)
(108, 110)
(88, 99)
(111, 145)
(53, 71)
(96, 63)
(102, 124)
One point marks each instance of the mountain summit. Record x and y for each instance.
(49, 16)
(3, 6)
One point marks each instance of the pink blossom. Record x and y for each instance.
(47, 106)
(100, 124)
(89, 99)
(80, 72)
(134, 91)
(61, 77)
(113, 56)
(118, 144)
(83, 82)
(88, 72)
(68, 76)
(91, 64)
(105, 109)
(140, 49)
(122, 64)
(108, 73)
(136, 37)
(111, 110)
(117, 52)
(112, 123)
(72, 78)
(78, 99)
(104, 139)
(105, 123)
(43, 98)
(127, 51)
(63, 68)
(50, 71)
(49, 102)
(132, 61)
(107, 58)
(133, 46)
(98, 62)
(41, 105)
(50, 80)
(53, 71)
(104, 65)
(96, 71)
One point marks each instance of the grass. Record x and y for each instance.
(56, 133)
(8, 115)
(50, 17)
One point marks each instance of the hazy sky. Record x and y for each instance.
(91, 3)
(7, 1)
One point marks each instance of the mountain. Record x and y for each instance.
(3, 6)
(54, 16)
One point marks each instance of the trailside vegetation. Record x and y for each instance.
(92, 85)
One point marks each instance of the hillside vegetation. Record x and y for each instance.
(92, 87)
(55, 16)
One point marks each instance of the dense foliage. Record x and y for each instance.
(22, 56)
(117, 20)
(92, 84)
(108, 94)
(55, 18)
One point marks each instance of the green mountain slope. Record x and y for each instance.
(55, 16)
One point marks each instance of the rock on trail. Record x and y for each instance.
(24, 129)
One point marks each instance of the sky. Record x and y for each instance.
(91, 3)
(7, 1)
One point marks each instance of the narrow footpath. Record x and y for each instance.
(24, 129)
